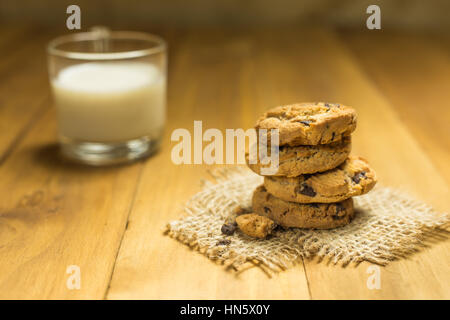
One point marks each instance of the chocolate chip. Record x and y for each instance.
(305, 190)
(279, 228)
(332, 136)
(306, 122)
(223, 242)
(267, 210)
(357, 177)
(339, 207)
(340, 212)
(228, 228)
(285, 212)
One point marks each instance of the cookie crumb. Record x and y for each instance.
(228, 228)
(223, 242)
(254, 225)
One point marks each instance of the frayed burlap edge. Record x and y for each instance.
(389, 225)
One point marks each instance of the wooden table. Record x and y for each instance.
(109, 221)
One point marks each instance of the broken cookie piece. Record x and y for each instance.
(254, 225)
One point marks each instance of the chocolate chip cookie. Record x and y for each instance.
(310, 215)
(309, 123)
(352, 178)
(254, 225)
(294, 161)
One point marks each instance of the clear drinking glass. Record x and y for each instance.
(109, 89)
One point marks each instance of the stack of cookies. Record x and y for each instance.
(316, 178)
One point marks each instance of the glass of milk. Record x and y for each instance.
(109, 89)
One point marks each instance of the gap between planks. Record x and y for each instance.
(130, 209)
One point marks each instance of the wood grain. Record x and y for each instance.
(276, 75)
(142, 265)
(109, 221)
(54, 214)
(412, 72)
(24, 86)
(400, 162)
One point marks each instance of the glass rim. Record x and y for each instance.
(160, 45)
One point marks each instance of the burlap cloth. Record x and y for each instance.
(388, 225)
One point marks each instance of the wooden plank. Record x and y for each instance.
(12, 34)
(24, 87)
(54, 214)
(383, 139)
(208, 81)
(413, 72)
(278, 68)
(324, 70)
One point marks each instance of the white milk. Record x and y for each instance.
(110, 102)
